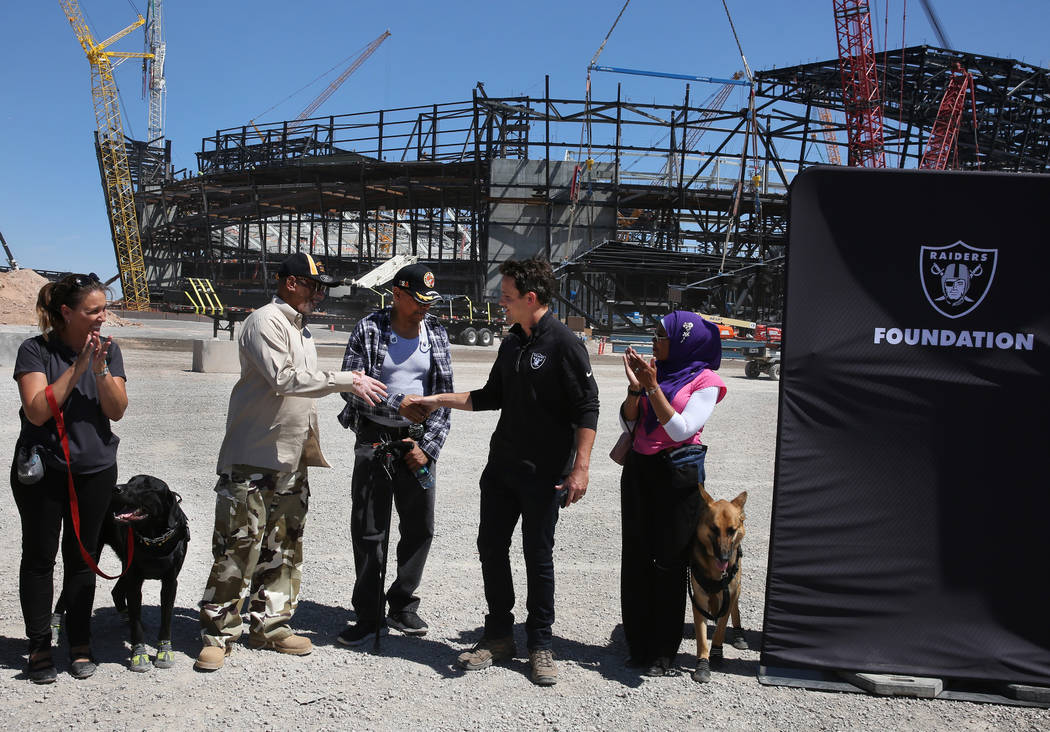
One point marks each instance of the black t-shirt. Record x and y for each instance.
(92, 444)
(544, 388)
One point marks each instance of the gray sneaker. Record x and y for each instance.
(488, 651)
(544, 672)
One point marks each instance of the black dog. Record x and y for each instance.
(161, 533)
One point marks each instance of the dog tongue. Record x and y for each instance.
(722, 566)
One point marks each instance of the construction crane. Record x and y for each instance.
(153, 84)
(829, 136)
(860, 84)
(120, 199)
(330, 89)
(10, 256)
(945, 131)
(713, 107)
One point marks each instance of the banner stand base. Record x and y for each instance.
(1018, 695)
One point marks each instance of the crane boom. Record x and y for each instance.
(113, 159)
(829, 136)
(330, 89)
(946, 127)
(153, 73)
(860, 83)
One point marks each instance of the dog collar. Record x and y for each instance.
(157, 541)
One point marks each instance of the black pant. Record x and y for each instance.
(657, 503)
(368, 529)
(505, 496)
(44, 510)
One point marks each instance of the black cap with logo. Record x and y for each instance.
(302, 264)
(418, 281)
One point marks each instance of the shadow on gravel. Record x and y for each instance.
(111, 637)
(12, 653)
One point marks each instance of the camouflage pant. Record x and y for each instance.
(258, 539)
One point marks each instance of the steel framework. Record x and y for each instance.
(356, 189)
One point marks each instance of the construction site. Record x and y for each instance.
(639, 206)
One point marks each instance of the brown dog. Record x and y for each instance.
(714, 577)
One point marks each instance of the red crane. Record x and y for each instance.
(945, 131)
(860, 84)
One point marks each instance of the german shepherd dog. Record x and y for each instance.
(161, 533)
(714, 577)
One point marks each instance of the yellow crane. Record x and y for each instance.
(120, 198)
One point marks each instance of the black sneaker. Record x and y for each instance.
(407, 622)
(360, 633)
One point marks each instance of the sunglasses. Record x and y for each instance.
(80, 280)
(313, 286)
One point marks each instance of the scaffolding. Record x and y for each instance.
(465, 185)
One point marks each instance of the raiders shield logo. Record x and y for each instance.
(956, 277)
(537, 360)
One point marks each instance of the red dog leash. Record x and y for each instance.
(74, 506)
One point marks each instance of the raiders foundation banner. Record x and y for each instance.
(911, 517)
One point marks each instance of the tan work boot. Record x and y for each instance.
(544, 672)
(487, 651)
(211, 658)
(293, 645)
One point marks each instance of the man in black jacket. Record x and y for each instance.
(539, 460)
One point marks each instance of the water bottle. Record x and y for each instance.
(425, 478)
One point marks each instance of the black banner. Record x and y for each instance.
(911, 517)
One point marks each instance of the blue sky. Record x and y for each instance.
(228, 61)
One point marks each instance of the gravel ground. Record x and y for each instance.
(173, 429)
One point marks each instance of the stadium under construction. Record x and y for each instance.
(637, 205)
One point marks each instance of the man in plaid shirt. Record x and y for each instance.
(411, 350)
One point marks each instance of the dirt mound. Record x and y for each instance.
(18, 291)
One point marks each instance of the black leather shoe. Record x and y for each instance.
(41, 670)
(407, 622)
(81, 669)
(658, 667)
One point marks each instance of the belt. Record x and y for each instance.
(370, 430)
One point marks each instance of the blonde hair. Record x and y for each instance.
(69, 291)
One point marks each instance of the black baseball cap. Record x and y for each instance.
(418, 281)
(302, 264)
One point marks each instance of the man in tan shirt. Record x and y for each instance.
(262, 494)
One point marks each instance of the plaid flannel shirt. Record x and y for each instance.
(366, 350)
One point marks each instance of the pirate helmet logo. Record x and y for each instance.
(537, 360)
(956, 277)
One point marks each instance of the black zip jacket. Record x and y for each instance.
(544, 387)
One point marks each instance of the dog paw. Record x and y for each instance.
(140, 658)
(738, 641)
(703, 671)
(716, 655)
(165, 656)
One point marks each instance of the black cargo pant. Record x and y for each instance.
(506, 496)
(368, 518)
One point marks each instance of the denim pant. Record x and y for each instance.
(371, 496)
(506, 497)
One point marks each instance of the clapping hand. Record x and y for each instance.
(640, 373)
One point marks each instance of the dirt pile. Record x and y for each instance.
(18, 291)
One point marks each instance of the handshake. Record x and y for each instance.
(417, 408)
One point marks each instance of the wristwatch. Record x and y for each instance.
(632, 392)
(104, 371)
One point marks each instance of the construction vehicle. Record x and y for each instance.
(761, 359)
(113, 159)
